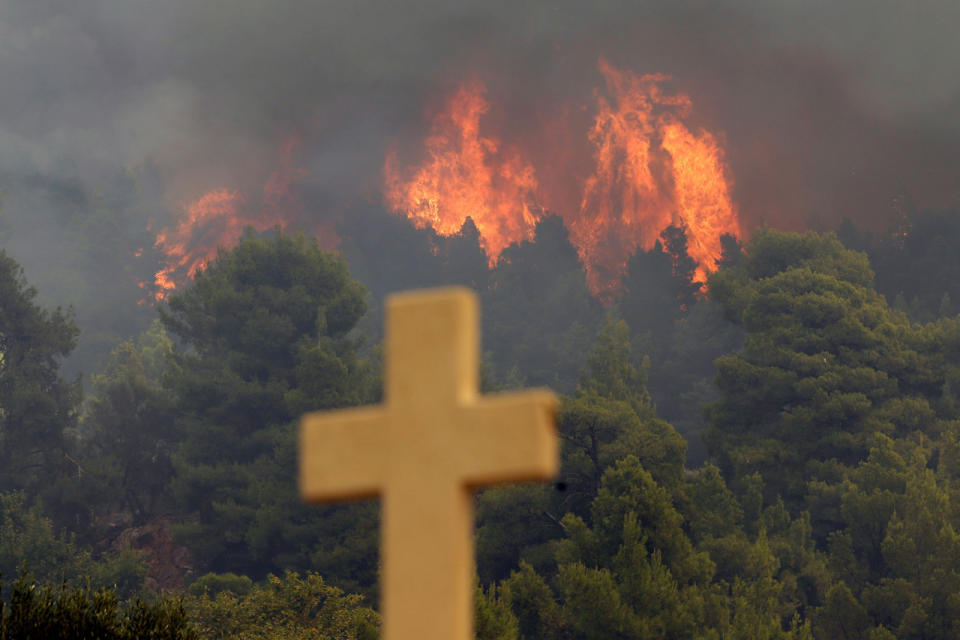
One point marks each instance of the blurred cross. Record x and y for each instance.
(423, 451)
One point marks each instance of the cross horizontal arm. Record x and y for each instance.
(510, 437)
(342, 454)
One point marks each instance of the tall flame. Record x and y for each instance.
(702, 193)
(646, 170)
(649, 171)
(467, 174)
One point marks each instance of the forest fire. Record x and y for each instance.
(642, 169)
(467, 174)
(650, 171)
(215, 213)
(218, 217)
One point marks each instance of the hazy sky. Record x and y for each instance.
(827, 109)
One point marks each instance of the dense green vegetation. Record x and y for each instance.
(37, 407)
(779, 460)
(73, 613)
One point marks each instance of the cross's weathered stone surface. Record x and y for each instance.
(423, 451)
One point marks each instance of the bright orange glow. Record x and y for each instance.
(467, 174)
(617, 174)
(649, 171)
(623, 201)
(702, 193)
(208, 222)
(218, 217)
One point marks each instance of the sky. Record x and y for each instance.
(826, 110)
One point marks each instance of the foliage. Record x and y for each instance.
(127, 437)
(678, 329)
(265, 336)
(28, 539)
(916, 260)
(543, 280)
(610, 417)
(659, 289)
(37, 406)
(494, 620)
(636, 574)
(836, 424)
(287, 608)
(73, 613)
(829, 508)
(824, 367)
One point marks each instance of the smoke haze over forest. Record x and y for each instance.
(726, 235)
(824, 111)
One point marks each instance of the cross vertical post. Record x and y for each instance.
(432, 442)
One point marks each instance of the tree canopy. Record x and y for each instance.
(37, 406)
(825, 505)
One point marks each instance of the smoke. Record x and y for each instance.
(826, 110)
(205, 89)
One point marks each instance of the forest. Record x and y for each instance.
(772, 453)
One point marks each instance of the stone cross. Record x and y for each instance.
(423, 452)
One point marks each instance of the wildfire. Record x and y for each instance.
(218, 217)
(468, 174)
(650, 171)
(215, 213)
(702, 194)
(639, 168)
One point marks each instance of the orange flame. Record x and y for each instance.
(467, 175)
(218, 217)
(216, 214)
(702, 193)
(650, 171)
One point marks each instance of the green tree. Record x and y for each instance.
(659, 289)
(711, 508)
(610, 417)
(841, 617)
(265, 335)
(37, 406)
(681, 331)
(127, 430)
(494, 620)
(29, 540)
(515, 525)
(629, 492)
(825, 365)
(292, 607)
(534, 605)
(634, 573)
(75, 613)
(917, 258)
(540, 317)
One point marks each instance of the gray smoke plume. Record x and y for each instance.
(131, 108)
